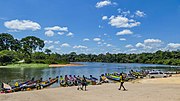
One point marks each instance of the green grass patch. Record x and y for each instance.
(33, 65)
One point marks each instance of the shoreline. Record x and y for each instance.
(34, 65)
(64, 65)
(140, 90)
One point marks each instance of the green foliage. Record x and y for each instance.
(160, 57)
(13, 50)
(7, 57)
(6, 41)
(31, 43)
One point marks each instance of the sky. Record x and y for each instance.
(95, 26)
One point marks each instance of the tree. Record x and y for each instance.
(47, 51)
(6, 41)
(31, 43)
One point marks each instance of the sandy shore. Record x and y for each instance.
(164, 89)
(63, 65)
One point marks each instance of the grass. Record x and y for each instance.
(32, 65)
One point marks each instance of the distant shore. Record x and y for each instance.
(64, 65)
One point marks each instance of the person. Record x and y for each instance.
(75, 80)
(103, 79)
(62, 81)
(122, 82)
(71, 78)
(2, 85)
(84, 83)
(78, 79)
(16, 84)
(93, 78)
(38, 85)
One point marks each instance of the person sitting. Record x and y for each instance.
(66, 78)
(71, 78)
(38, 85)
(49, 80)
(16, 84)
(62, 81)
(93, 78)
(103, 79)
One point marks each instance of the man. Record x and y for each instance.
(84, 83)
(122, 82)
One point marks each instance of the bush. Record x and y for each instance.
(28, 60)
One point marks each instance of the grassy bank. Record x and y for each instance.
(33, 65)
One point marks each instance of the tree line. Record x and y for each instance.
(159, 57)
(13, 51)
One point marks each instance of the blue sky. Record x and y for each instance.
(95, 26)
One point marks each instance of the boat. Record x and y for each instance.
(10, 89)
(117, 77)
(112, 77)
(50, 82)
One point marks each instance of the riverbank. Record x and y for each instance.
(38, 65)
(161, 89)
(26, 66)
(63, 65)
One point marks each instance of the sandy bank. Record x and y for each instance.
(63, 65)
(142, 90)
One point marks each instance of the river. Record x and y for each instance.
(11, 75)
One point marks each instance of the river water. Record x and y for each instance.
(11, 75)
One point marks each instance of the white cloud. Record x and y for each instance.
(100, 26)
(70, 34)
(49, 33)
(97, 39)
(129, 46)
(150, 41)
(58, 49)
(60, 33)
(86, 39)
(48, 41)
(51, 47)
(104, 18)
(123, 13)
(150, 45)
(109, 45)
(140, 14)
(103, 3)
(56, 42)
(122, 39)
(133, 50)
(80, 46)
(174, 45)
(140, 45)
(99, 43)
(65, 45)
(57, 28)
(22, 25)
(124, 32)
(122, 22)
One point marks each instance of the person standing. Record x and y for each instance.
(122, 82)
(84, 83)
